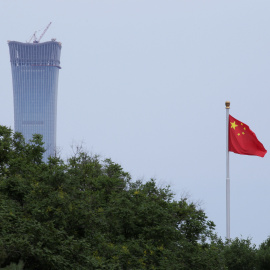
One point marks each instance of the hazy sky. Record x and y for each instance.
(144, 82)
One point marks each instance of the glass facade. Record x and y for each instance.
(35, 68)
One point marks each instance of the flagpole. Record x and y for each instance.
(227, 104)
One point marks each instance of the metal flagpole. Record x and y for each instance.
(227, 104)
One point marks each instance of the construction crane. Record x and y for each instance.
(44, 32)
(33, 37)
(41, 36)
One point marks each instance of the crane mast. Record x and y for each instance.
(33, 37)
(44, 32)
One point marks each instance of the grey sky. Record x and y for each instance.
(144, 83)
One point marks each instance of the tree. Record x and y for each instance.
(240, 254)
(88, 214)
(263, 255)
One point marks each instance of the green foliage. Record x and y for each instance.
(240, 254)
(88, 214)
(264, 255)
(14, 266)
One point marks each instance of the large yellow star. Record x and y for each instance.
(233, 125)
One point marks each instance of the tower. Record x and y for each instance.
(35, 69)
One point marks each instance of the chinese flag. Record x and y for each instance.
(242, 140)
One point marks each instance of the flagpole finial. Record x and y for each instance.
(227, 104)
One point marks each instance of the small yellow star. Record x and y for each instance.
(238, 134)
(243, 133)
(244, 128)
(234, 125)
(241, 124)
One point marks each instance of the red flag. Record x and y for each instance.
(242, 140)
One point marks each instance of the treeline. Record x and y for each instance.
(88, 214)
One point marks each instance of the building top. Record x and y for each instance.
(37, 54)
(53, 40)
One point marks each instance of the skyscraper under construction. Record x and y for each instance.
(35, 69)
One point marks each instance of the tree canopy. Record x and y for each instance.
(87, 213)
